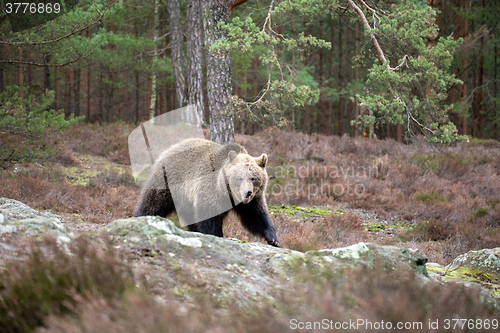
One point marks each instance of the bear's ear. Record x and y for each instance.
(262, 160)
(232, 155)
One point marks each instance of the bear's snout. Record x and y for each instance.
(247, 196)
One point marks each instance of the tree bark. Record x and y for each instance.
(464, 87)
(156, 19)
(46, 72)
(150, 92)
(70, 77)
(479, 94)
(356, 78)
(306, 116)
(101, 93)
(495, 129)
(195, 73)
(322, 103)
(76, 93)
(178, 55)
(218, 71)
(137, 99)
(330, 76)
(255, 84)
(88, 91)
(341, 124)
(56, 88)
(20, 74)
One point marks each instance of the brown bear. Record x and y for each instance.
(202, 181)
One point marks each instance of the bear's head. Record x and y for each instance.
(246, 176)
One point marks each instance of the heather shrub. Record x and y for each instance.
(442, 190)
(372, 295)
(97, 202)
(52, 282)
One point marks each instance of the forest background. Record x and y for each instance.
(326, 73)
(390, 69)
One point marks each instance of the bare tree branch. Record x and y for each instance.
(380, 53)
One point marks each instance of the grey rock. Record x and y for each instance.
(20, 219)
(233, 270)
(487, 260)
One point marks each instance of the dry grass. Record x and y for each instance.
(333, 298)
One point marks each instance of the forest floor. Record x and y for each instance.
(324, 191)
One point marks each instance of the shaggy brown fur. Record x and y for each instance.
(202, 181)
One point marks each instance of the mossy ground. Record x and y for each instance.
(91, 167)
(466, 274)
(303, 213)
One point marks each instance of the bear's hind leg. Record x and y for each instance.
(155, 202)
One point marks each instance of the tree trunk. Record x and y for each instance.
(88, 81)
(218, 72)
(68, 93)
(20, 74)
(46, 72)
(178, 56)
(341, 124)
(330, 76)
(244, 96)
(2, 71)
(101, 93)
(76, 93)
(356, 78)
(56, 88)
(255, 83)
(152, 104)
(306, 111)
(495, 93)
(322, 103)
(464, 87)
(137, 109)
(479, 94)
(348, 103)
(11, 72)
(150, 93)
(195, 73)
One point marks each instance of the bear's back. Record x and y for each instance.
(194, 158)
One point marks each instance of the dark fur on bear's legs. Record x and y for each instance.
(155, 202)
(211, 226)
(255, 218)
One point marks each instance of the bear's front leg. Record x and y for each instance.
(255, 218)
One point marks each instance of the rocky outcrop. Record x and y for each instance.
(481, 268)
(230, 270)
(19, 219)
(234, 270)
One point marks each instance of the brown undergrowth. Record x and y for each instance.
(446, 197)
(361, 300)
(93, 289)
